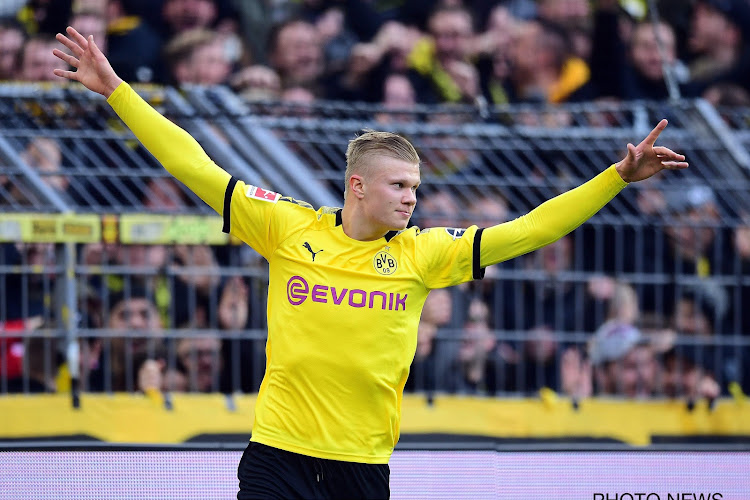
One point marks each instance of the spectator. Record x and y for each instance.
(296, 53)
(299, 101)
(487, 209)
(624, 362)
(429, 369)
(92, 22)
(533, 364)
(652, 49)
(40, 363)
(180, 301)
(12, 40)
(138, 361)
(336, 38)
(134, 45)
(181, 16)
(438, 208)
(163, 194)
(718, 41)
(543, 68)
(399, 97)
(574, 16)
(576, 375)
(360, 78)
(634, 61)
(255, 19)
(696, 313)
(242, 359)
(729, 95)
(396, 41)
(495, 42)
(31, 292)
(256, 83)
(38, 62)
(200, 364)
(45, 17)
(185, 15)
(13, 345)
(197, 57)
(44, 155)
(475, 369)
(442, 70)
(697, 245)
(551, 301)
(685, 373)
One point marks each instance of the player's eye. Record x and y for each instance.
(398, 184)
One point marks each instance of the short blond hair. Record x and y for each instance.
(374, 143)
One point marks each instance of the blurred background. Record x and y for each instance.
(121, 301)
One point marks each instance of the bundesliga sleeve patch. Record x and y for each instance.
(261, 194)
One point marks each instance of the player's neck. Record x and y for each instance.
(357, 227)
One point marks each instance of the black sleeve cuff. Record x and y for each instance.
(477, 270)
(228, 204)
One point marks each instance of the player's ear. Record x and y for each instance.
(356, 186)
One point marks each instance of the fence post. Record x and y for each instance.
(69, 316)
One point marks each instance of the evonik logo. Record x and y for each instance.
(298, 290)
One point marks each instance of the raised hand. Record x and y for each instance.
(645, 159)
(92, 67)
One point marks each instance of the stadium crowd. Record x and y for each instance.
(400, 54)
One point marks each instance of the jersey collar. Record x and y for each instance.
(388, 236)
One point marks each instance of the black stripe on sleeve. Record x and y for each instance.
(228, 204)
(477, 270)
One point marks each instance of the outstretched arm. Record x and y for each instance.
(557, 217)
(174, 148)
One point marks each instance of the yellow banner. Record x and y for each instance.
(49, 228)
(145, 229)
(166, 229)
(129, 418)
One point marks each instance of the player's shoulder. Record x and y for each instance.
(305, 211)
(433, 238)
(442, 233)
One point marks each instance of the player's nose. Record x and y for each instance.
(410, 198)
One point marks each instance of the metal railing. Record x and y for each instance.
(122, 225)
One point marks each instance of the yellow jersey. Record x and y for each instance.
(342, 322)
(343, 313)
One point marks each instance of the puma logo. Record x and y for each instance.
(309, 249)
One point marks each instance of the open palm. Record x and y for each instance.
(645, 159)
(92, 67)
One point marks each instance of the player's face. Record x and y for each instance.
(390, 193)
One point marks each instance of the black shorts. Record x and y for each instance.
(270, 473)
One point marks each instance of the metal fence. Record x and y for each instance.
(132, 266)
